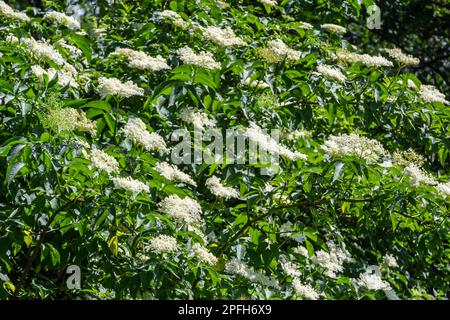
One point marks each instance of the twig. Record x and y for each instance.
(36, 250)
(303, 203)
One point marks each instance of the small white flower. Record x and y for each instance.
(333, 28)
(306, 25)
(255, 134)
(241, 268)
(130, 184)
(140, 60)
(103, 161)
(64, 78)
(401, 57)
(304, 290)
(431, 94)
(331, 73)
(408, 157)
(368, 60)
(203, 59)
(12, 39)
(270, 3)
(418, 176)
(41, 49)
(354, 145)
(204, 255)
(372, 281)
(172, 173)
(175, 19)
(281, 49)
(114, 87)
(223, 37)
(444, 189)
(257, 84)
(7, 11)
(290, 269)
(62, 19)
(198, 119)
(218, 189)
(163, 244)
(136, 131)
(185, 210)
(390, 261)
(333, 261)
(302, 250)
(72, 49)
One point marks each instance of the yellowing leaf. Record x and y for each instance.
(113, 245)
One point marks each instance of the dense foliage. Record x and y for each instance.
(88, 106)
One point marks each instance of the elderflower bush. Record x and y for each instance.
(87, 110)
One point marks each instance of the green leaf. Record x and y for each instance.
(13, 170)
(45, 136)
(205, 78)
(98, 104)
(113, 245)
(338, 170)
(82, 43)
(54, 255)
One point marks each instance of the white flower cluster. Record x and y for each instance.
(69, 119)
(175, 18)
(7, 11)
(302, 251)
(372, 281)
(402, 57)
(185, 210)
(172, 173)
(62, 19)
(41, 49)
(353, 145)
(103, 161)
(129, 184)
(408, 157)
(114, 87)
(306, 25)
(368, 60)
(65, 75)
(256, 84)
(240, 268)
(444, 189)
(202, 60)
(431, 94)
(290, 269)
(204, 255)
(264, 141)
(222, 4)
(163, 244)
(72, 49)
(136, 131)
(333, 261)
(305, 291)
(222, 37)
(140, 60)
(331, 73)
(11, 39)
(218, 189)
(279, 48)
(270, 3)
(390, 261)
(418, 176)
(333, 28)
(280, 197)
(198, 119)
